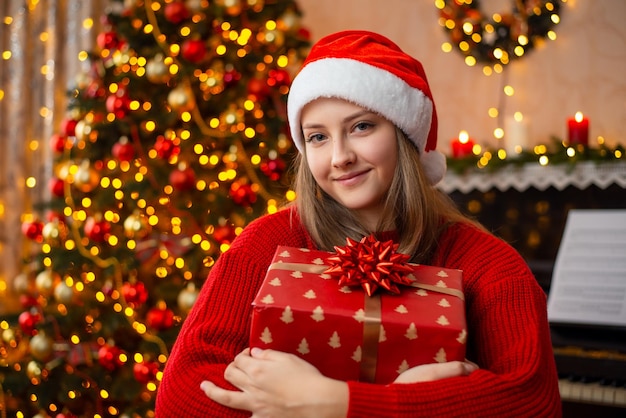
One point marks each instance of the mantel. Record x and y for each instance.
(580, 175)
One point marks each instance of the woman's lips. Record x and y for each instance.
(352, 178)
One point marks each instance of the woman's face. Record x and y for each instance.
(352, 153)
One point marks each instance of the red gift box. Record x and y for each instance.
(348, 335)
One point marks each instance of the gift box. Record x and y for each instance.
(303, 309)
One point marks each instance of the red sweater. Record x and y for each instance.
(508, 333)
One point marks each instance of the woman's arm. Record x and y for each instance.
(218, 327)
(508, 337)
(273, 384)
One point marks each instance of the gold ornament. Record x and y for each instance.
(257, 5)
(273, 37)
(8, 336)
(233, 7)
(45, 282)
(181, 99)
(86, 178)
(196, 5)
(82, 130)
(41, 347)
(63, 293)
(63, 169)
(136, 226)
(232, 116)
(156, 70)
(34, 370)
(22, 284)
(187, 297)
(54, 232)
(289, 21)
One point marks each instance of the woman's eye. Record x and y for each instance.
(315, 138)
(362, 126)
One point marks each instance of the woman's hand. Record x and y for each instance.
(275, 384)
(436, 371)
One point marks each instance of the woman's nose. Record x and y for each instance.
(342, 153)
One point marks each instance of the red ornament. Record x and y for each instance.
(193, 50)
(278, 78)
(258, 88)
(166, 148)
(176, 12)
(273, 168)
(57, 186)
(95, 90)
(242, 194)
(97, 229)
(370, 264)
(28, 301)
(160, 317)
(57, 142)
(145, 371)
(109, 357)
(28, 321)
(304, 33)
(135, 293)
(224, 234)
(33, 230)
(68, 127)
(123, 150)
(52, 215)
(107, 40)
(118, 104)
(183, 179)
(231, 77)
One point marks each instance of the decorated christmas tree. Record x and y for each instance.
(173, 141)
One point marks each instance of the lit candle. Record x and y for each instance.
(578, 130)
(515, 134)
(462, 146)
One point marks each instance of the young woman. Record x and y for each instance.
(364, 121)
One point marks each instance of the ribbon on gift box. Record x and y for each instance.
(371, 265)
(321, 268)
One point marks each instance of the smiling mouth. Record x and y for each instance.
(346, 178)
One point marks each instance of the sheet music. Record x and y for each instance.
(589, 278)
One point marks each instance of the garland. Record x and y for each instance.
(501, 38)
(559, 153)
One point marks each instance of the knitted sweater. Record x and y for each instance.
(508, 333)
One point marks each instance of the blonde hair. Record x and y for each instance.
(413, 207)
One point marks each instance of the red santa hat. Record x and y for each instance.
(371, 71)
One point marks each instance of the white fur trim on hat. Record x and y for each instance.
(372, 88)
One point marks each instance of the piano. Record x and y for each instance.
(591, 362)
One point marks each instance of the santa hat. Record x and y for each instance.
(371, 71)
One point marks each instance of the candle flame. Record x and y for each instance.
(578, 117)
(463, 137)
(518, 116)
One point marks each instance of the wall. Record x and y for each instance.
(583, 69)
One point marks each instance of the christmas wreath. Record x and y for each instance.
(498, 39)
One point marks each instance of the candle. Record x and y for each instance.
(515, 134)
(578, 129)
(462, 146)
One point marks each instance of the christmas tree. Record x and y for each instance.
(173, 141)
